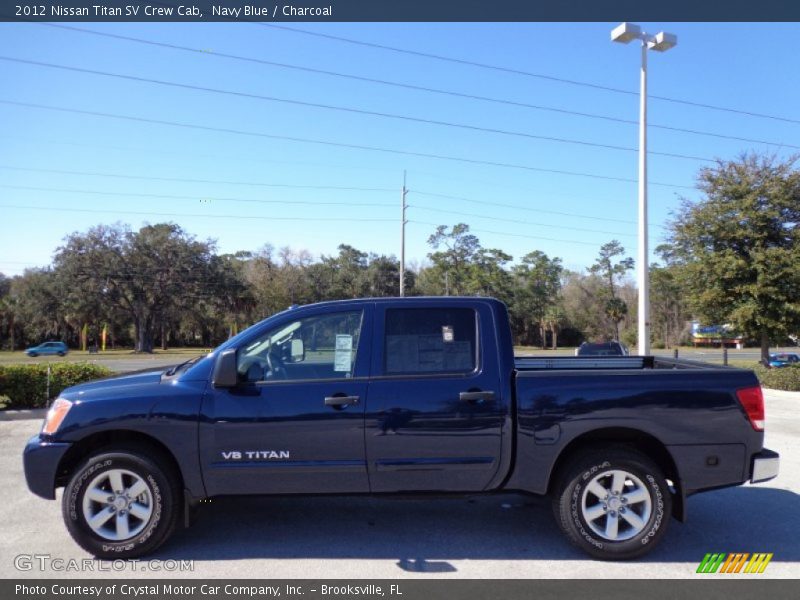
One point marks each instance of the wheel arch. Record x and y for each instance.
(108, 440)
(639, 440)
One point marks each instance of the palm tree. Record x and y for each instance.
(554, 317)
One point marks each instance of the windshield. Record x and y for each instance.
(245, 333)
(784, 357)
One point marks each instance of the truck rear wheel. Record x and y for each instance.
(612, 502)
(121, 503)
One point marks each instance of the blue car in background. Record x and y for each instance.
(59, 348)
(784, 359)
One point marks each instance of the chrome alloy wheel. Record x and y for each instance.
(616, 505)
(117, 504)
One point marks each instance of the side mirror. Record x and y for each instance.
(225, 373)
(298, 351)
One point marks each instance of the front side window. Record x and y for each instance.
(316, 347)
(430, 340)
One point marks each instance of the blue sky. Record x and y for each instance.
(229, 187)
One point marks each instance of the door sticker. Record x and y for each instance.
(447, 333)
(343, 355)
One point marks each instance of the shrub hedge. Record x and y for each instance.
(783, 378)
(25, 386)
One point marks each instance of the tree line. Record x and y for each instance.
(159, 285)
(733, 257)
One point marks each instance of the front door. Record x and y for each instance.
(295, 423)
(436, 412)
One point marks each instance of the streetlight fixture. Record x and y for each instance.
(660, 42)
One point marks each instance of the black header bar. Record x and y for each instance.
(400, 10)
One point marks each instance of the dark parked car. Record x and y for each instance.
(602, 349)
(59, 348)
(784, 359)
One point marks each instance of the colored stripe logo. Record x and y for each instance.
(735, 562)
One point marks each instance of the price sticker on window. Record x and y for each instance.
(447, 333)
(343, 354)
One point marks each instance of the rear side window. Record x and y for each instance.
(430, 340)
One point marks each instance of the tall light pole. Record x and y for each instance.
(403, 206)
(660, 42)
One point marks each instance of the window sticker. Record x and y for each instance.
(343, 355)
(447, 333)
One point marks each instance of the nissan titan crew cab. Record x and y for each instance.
(399, 396)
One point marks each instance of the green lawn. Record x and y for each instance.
(713, 355)
(19, 356)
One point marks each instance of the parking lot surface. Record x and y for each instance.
(495, 536)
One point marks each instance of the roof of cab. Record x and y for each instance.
(409, 299)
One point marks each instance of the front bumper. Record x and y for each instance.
(765, 466)
(41, 460)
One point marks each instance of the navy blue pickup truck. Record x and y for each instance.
(399, 396)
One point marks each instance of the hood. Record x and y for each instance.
(85, 391)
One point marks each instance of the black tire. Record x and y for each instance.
(32, 354)
(61, 354)
(572, 501)
(163, 494)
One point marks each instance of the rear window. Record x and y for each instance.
(430, 340)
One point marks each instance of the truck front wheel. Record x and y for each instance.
(612, 502)
(121, 503)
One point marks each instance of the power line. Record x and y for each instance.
(336, 144)
(196, 197)
(352, 110)
(527, 73)
(518, 221)
(187, 180)
(213, 216)
(519, 235)
(183, 153)
(410, 86)
(518, 207)
(323, 203)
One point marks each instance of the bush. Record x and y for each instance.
(26, 385)
(783, 378)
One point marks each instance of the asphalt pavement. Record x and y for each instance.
(496, 536)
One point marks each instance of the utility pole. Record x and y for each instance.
(403, 237)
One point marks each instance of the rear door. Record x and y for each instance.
(435, 412)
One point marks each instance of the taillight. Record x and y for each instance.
(752, 401)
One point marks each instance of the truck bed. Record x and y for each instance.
(571, 363)
(688, 407)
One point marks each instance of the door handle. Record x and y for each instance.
(475, 396)
(340, 401)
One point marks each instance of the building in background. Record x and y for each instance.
(715, 335)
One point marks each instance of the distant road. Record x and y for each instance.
(120, 361)
(123, 361)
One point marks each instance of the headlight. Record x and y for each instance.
(56, 415)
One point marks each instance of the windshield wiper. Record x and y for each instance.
(183, 365)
